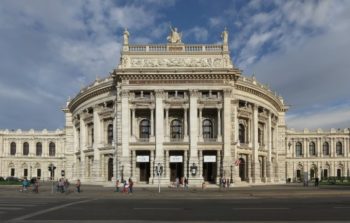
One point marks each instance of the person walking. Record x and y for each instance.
(186, 183)
(78, 185)
(131, 185)
(116, 186)
(36, 186)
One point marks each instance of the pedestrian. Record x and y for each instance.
(116, 186)
(66, 185)
(223, 182)
(131, 184)
(186, 183)
(227, 183)
(177, 182)
(78, 185)
(36, 186)
(316, 182)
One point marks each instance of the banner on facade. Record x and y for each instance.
(142, 159)
(176, 159)
(209, 159)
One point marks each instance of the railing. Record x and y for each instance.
(143, 139)
(186, 48)
(176, 139)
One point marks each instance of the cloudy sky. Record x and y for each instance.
(50, 49)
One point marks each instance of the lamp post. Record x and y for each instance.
(51, 169)
(159, 171)
(231, 180)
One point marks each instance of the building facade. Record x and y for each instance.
(170, 111)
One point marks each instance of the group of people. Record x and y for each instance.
(26, 184)
(127, 186)
(63, 185)
(183, 181)
(225, 182)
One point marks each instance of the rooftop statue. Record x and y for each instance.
(175, 36)
(224, 36)
(126, 37)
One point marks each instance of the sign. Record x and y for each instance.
(142, 159)
(209, 159)
(176, 159)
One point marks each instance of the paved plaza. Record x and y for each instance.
(289, 202)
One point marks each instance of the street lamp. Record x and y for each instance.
(122, 173)
(159, 171)
(231, 180)
(193, 169)
(51, 169)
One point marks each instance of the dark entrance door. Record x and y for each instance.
(145, 172)
(242, 169)
(209, 172)
(110, 169)
(176, 171)
(325, 173)
(338, 173)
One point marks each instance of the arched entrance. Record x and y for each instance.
(110, 169)
(242, 169)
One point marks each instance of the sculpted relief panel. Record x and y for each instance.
(174, 62)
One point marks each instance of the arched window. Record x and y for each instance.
(325, 148)
(339, 148)
(298, 149)
(25, 149)
(241, 132)
(312, 149)
(176, 129)
(110, 134)
(145, 129)
(39, 149)
(52, 149)
(13, 148)
(207, 129)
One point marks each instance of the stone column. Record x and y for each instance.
(115, 143)
(200, 165)
(269, 148)
(167, 165)
(152, 122)
(227, 131)
(185, 163)
(82, 146)
(255, 162)
(167, 126)
(331, 148)
(185, 124)
(250, 165)
(219, 138)
(97, 141)
(151, 162)
(200, 125)
(133, 173)
(159, 156)
(125, 126)
(133, 119)
(219, 167)
(196, 180)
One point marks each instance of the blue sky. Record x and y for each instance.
(50, 49)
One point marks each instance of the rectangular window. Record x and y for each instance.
(12, 172)
(25, 172)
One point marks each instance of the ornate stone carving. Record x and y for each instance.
(159, 93)
(194, 93)
(176, 62)
(124, 93)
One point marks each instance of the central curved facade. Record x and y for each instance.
(184, 108)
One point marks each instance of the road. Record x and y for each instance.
(97, 204)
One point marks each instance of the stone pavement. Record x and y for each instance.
(251, 192)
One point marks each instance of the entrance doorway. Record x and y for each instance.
(110, 169)
(145, 172)
(298, 175)
(176, 165)
(338, 173)
(325, 173)
(176, 171)
(312, 174)
(143, 165)
(210, 166)
(242, 169)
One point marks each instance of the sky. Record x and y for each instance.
(50, 49)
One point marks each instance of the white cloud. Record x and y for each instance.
(200, 34)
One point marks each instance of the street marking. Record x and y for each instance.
(342, 207)
(261, 208)
(48, 210)
(10, 208)
(170, 209)
(18, 205)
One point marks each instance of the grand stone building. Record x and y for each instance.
(184, 109)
